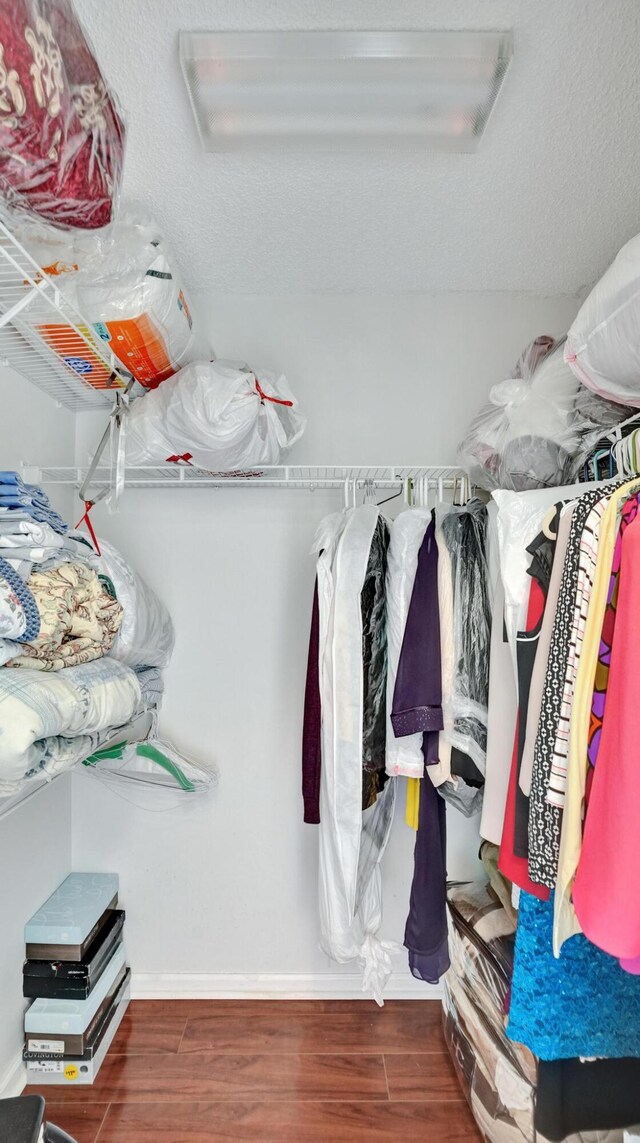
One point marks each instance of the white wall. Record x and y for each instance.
(229, 888)
(35, 838)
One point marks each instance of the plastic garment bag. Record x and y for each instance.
(404, 755)
(351, 843)
(465, 534)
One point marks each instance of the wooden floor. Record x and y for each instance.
(340, 1071)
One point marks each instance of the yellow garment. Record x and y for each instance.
(412, 809)
(565, 922)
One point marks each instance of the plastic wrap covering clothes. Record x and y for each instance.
(525, 435)
(602, 345)
(50, 721)
(146, 635)
(125, 283)
(61, 132)
(219, 416)
(351, 842)
(152, 763)
(465, 534)
(596, 417)
(497, 1076)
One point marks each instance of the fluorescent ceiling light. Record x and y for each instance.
(343, 91)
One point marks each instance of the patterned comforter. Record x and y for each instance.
(50, 721)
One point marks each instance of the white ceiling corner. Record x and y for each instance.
(542, 206)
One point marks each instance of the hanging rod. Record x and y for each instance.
(310, 477)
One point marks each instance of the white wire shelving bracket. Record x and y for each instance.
(419, 479)
(46, 340)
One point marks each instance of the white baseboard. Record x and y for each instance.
(272, 986)
(13, 1079)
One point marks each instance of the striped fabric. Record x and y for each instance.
(587, 557)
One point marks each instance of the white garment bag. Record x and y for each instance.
(351, 843)
(404, 755)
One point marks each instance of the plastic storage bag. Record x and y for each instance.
(220, 416)
(603, 348)
(61, 132)
(525, 435)
(124, 282)
(146, 635)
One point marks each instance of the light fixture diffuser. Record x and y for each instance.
(343, 91)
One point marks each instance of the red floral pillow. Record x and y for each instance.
(61, 135)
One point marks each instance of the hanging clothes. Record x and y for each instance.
(501, 722)
(545, 818)
(536, 686)
(581, 1004)
(351, 843)
(404, 754)
(417, 708)
(374, 662)
(565, 920)
(465, 534)
(605, 888)
(312, 723)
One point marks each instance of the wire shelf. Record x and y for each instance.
(307, 477)
(46, 340)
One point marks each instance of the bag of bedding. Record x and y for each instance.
(125, 284)
(216, 415)
(524, 436)
(603, 347)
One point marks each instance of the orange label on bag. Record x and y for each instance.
(141, 348)
(74, 352)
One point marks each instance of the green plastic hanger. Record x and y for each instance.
(146, 751)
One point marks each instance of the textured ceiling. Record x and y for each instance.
(552, 193)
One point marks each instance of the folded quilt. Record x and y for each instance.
(28, 500)
(151, 685)
(19, 616)
(79, 619)
(48, 722)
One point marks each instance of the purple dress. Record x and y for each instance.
(417, 706)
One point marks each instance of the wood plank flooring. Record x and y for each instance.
(187, 1071)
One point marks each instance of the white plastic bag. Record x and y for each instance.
(146, 636)
(603, 347)
(525, 435)
(404, 755)
(222, 417)
(124, 282)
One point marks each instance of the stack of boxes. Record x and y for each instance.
(77, 978)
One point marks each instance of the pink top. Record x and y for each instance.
(605, 893)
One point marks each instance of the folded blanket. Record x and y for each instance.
(29, 500)
(151, 685)
(48, 722)
(79, 620)
(19, 616)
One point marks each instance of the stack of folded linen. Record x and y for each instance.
(82, 641)
(28, 501)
